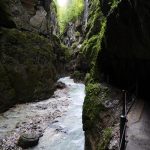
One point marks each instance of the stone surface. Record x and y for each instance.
(31, 15)
(28, 140)
(138, 127)
(60, 85)
(29, 61)
(29, 66)
(39, 19)
(125, 55)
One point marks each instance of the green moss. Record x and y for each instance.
(5, 17)
(87, 78)
(5, 86)
(94, 24)
(53, 7)
(114, 4)
(93, 104)
(96, 94)
(67, 52)
(89, 48)
(74, 45)
(77, 34)
(28, 65)
(106, 136)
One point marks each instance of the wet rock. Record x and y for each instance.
(113, 145)
(42, 107)
(111, 103)
(18, 125)
(28, 140)
(62, 130)
(57, 113)
(60, 85)
(55, 121)
(53, 96)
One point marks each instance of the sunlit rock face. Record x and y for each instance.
(39, 21)
(34, 15)
(125, 57)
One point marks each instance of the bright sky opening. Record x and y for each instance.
(62, 3)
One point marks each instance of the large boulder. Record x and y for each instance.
(60, 85)
(28, 140)
(28, 66)
(34, 15)
(39, 19)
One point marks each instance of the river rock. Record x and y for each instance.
(60, 85)
(27, 140)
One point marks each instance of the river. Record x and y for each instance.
(58, 120)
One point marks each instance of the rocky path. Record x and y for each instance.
(138, 132)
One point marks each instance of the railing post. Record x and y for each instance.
(124, 97)
(122, 132)
(123, 123)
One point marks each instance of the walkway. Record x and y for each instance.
(138, 131)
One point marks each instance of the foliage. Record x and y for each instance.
(69, 13)
(28, 66)
(114, 4)
(106, 136)
(96, 94)
(77, 34)
(77, 75)
(87, 78)
(67, 52)
(92, 46)
(92, 104)
(74, 45)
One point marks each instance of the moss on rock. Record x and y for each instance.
(96, 126)
(5, 17)
(93, 104)
(100, 113)
(106, 136)
(28, 65)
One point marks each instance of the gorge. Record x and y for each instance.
(102, 44)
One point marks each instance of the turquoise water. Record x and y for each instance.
(70, 135)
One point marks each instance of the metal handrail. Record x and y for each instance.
(123, 122)
(122, 144)
(132, 103)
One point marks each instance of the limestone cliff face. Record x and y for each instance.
(34, 15)
(97, 118)
(125, 57)
(31, 56)
(117, 50)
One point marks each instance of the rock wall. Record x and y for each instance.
(101, 112)
(33, 15)
(31, 57)
(116, 48)
(125, 56)
(97, 116)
